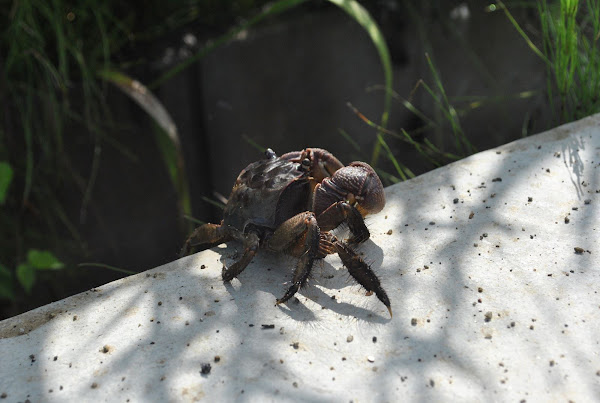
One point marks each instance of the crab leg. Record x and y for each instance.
(341, 212)
(299, 236)
(251, 243)
(362, 273)
(206, 236)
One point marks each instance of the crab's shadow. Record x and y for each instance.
(271, 273)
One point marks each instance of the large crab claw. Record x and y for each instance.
(347, 197)
(357, 184)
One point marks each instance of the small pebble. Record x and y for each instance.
(205, 368)
(579, 250)
(349, 339)
(371, 358)
(488, 316)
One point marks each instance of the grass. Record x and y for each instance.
(58, 59)
(55, 62)
(54, 58)
(570, 34)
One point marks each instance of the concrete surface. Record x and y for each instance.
(491, 302)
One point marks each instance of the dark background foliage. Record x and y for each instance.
(95, 185)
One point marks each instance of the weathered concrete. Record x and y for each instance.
(491, 302)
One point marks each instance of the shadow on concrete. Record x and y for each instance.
(490, 302)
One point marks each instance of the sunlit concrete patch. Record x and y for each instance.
(491, 264)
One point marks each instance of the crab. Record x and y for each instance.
(291, 204)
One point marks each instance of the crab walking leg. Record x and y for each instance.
(362, 273)
(299, 236)
(341, 212)
(206, 236)
(286, 236)
(251, 243)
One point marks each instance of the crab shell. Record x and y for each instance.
(267, 193)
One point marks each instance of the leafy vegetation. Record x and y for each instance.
(59, 60)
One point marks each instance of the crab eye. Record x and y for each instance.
(270, 154)
(305, 163)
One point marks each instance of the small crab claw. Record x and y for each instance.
(322, 163)
(357, 183)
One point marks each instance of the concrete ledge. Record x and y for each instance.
(492, 265)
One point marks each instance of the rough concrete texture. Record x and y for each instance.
(491, 263)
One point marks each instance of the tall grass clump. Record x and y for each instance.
(56, 58)
(49, 53)
(570, 35)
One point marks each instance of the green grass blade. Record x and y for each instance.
(6, 284)
(254, 144)
(350, 140)
(28, 131)
(362, 16)
(193, 219)
(6, 175)
(215, 203)
(522, 33)
(26, 276)
(145, 99)
(173, 158)
(170, 150)
(105, 266)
